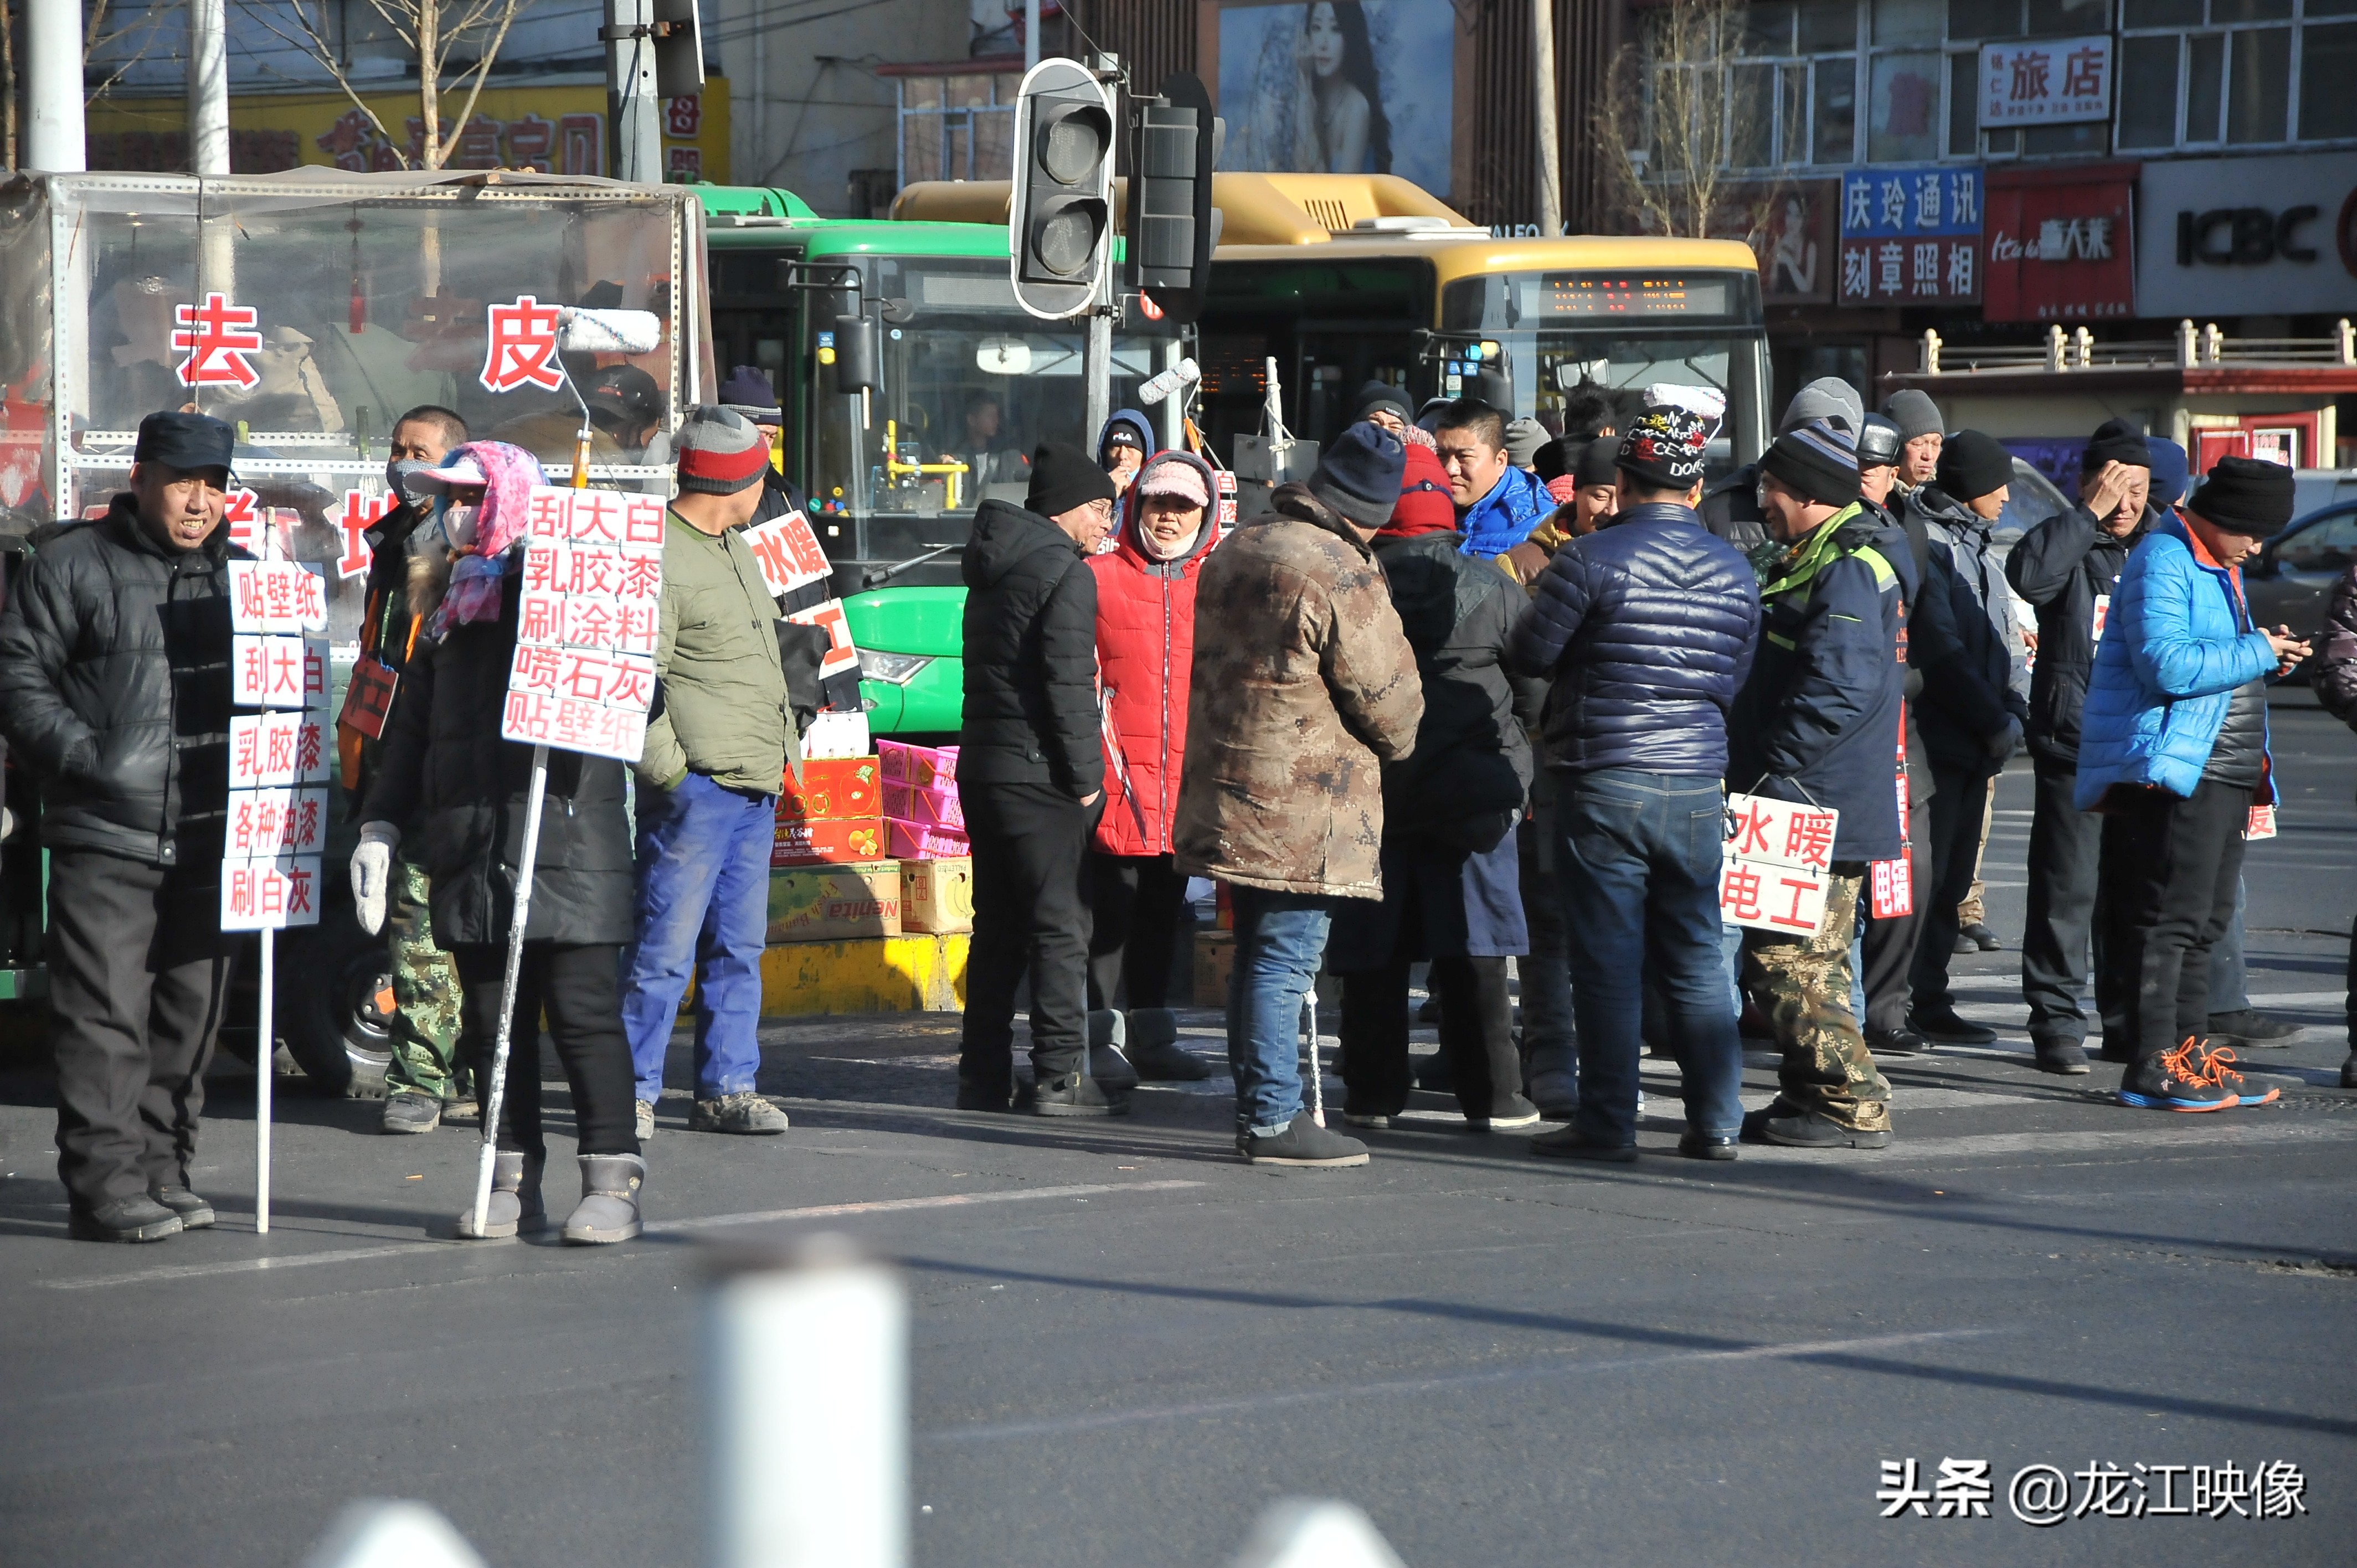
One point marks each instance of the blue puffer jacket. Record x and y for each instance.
(1504, 518)
(1647, 629)
(1818, 721)
(2177, 643)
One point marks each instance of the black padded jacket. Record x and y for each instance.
(115, 689)
(1030, 656)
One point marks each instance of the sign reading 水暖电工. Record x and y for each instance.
(2046, 81)
(1778, 865)
(584, 672)
(1910, 236)
(278, 750)
(2219, 236)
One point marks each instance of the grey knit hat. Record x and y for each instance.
(1827, 397)
(720, 451)
(1914, 412)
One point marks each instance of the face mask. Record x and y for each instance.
(399, 468)
(459, 523)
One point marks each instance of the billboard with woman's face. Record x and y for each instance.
(1340, 87)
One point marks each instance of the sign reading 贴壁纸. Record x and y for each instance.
(1910, 236)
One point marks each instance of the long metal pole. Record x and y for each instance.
(1096, 354)
(266, 1064)
(209, 87)
(630, 79)
(1550, 139)
(1030, 33)
(53, 129)
(532, 798)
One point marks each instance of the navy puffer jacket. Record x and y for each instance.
(1647, 629)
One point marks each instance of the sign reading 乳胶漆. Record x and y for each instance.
(590, 609)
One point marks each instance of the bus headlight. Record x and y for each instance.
(893, 668)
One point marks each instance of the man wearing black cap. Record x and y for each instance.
(2173, 751)
(115, 689)
(1382, 403)
(1646, 629)
(1817, 724)
(1973, 705)
(1031, 772)
(2069, 568)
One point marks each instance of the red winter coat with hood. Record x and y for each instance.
(1146, 651)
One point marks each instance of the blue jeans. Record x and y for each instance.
(1280, 938)
(702, 903)
(1639, 858)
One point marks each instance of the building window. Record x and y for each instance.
(2238, 73)
(958, 128)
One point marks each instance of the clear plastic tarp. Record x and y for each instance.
(310, 309)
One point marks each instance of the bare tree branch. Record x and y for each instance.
(1665, 119)
(314, 43)
(428, 32)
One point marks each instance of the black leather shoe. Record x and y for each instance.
(1950, 1030)
(1571, 1143)
(195, 1212)
(1076, 1094)
(1899, 1042)
(138, 1218)
(975, 1095)
(1980, 936)
(2067, 1058)
(2250, 1027)
(1706, 1146)
(1807, 1130)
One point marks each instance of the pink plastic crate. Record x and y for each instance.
(935, 806)
(922, 766)
(917, 841)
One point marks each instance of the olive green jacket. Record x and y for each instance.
(720, 706)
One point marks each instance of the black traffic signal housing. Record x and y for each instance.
(1171, 223)
(1062, 204)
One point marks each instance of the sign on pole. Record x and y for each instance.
(583, 675)
(1778, 865)
(276, 825)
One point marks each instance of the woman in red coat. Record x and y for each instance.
(1146, 649)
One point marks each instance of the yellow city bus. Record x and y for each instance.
(1347, 278)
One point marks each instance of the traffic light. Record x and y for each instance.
(1172, 225)
(1059, 219)
(679, 48)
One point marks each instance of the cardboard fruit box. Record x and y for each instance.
(834, 903)
(832, 789)
(828, 842)
(937, 895)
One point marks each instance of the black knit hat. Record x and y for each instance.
(1359, 474)
(1818, 459)
(1063, 477)
(184, 441)
(1381, 394)
(1600, 464)
(1879, 442)
(1664, 446)
(2115, 441)
(1972, 464)
(2246, 496)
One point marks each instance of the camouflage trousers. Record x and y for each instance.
(1805, 986)
(425, 1025)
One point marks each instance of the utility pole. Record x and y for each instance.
(53, 132)
(1030, 33)
(631, 88)
(207, 86)
(1550, 142)
(1096, 354)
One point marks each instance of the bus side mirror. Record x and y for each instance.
(859, 348)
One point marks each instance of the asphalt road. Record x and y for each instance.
(1126, 1345)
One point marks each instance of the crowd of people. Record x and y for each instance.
(1473, 695)
(1476, 693)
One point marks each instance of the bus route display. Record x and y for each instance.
(1585, 295)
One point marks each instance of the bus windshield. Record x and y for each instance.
(1558, 331)
(969, 386)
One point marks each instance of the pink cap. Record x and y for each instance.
(1175, 479)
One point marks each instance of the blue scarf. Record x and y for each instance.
(1505, 517)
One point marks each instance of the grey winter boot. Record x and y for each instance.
(1154, 1048)
(609, 1211)
(1108, 1064)
(515, 1199)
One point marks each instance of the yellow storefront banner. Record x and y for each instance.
(555, 128)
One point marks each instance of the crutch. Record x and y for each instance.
(1316, 1067)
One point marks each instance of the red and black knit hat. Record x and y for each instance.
(720, 451)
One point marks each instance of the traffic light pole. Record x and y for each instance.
(1096, 363)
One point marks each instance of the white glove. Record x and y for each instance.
(373, 873)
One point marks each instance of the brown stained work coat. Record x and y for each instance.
(1304, 687)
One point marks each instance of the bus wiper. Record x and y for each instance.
(885, 575)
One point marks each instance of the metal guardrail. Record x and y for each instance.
(2192, 348)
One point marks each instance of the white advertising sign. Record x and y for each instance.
(2053, 81)
(2277, 229)
(591, 608)
(1778, 865)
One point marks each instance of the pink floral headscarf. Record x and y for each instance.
(510, 474)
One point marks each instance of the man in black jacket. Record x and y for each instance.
(115, 689)
(2067, 567)
(1818, 725)
(1031, 772)
(1972, 712)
